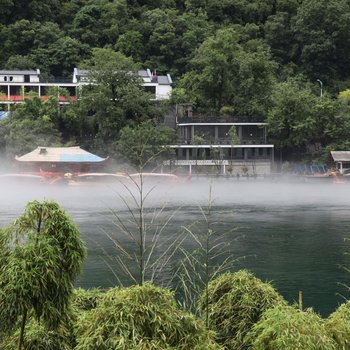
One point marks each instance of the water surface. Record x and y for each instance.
(289, 233)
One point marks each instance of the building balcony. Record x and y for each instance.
(20, 98)
(222, 141)
(199, 118)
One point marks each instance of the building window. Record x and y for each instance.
(151, 90)
(26, 78)
(5, 78)
(11, 78)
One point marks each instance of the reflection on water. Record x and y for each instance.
(291, 234)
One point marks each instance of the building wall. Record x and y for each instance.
(163, 92)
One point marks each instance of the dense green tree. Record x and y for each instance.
(67, 12)
(299, 118)
(20, 62)
(170, 38)
(291, 117)
(211, 81)
(17, 38)
(35, 45)
(131, 44)
(191, 29)
(41, 255)
(115, 97)
(332, 121)
(321, 28)
(228, 73)
(338, 326)
(287, 328)
(143, 145)
(25, 135)
(32, 10)
(147, 318)
(159, 33)
(279, 36)
(239, 11)
(35, 122)
(59, 58)
(99, 23)
(236, 301)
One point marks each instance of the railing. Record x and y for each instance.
(218, 161)
(222, 141)
(19, 98)
(56, 81)
(200, 118)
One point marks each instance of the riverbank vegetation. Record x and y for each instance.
(41, 255)
(245, 313)
(270, 60)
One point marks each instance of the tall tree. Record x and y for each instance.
(41, 255)
(321, 28)
(291, 118)
(115, 97)
(145, 145)
(34, 122)
(227, 72)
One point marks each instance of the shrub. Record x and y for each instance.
(287, 328)
(86, 299)
(235, 302)
(141, 317)
(39, 338)
(338, 326)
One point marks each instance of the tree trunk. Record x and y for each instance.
(21, 334)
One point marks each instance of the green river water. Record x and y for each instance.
(291, 234)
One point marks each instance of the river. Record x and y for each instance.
(291, 234)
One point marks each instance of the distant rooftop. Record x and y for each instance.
(146, 75)
(19, 72)
(341, 156)
(60, 154)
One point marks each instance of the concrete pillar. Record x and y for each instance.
(240, 132)
(272, 157)
(245, 151)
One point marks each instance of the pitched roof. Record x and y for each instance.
(19, 72)
(341, 156)
(60, 154)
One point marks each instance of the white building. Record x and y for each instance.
(158, 85)
(16, 85)
(207, 148)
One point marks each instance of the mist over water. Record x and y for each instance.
(290, 233)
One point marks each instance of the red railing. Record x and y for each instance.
(17, 98)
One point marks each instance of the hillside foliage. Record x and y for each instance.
(267, 58)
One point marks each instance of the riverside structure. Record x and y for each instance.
(16, 85)
(205, 146)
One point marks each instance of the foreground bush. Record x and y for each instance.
(143, 317)
(287, 328)
(338, 326)
(86, 299)
(39, 338)
(235, 302)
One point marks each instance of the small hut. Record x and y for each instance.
(59, 160)
(342, 160)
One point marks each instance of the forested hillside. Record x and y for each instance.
(242, 58)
